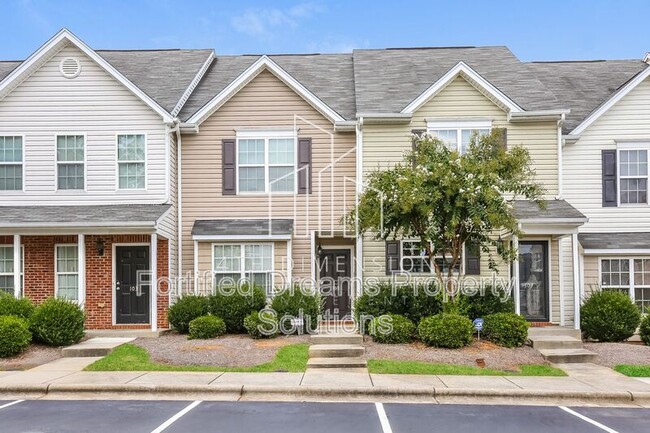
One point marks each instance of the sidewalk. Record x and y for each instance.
(587, 384)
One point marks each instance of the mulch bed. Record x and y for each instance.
(34, 356)
(611, 354)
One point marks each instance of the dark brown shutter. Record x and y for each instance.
(304, 160)
(503, 137)
(472, 259)
(393, 257)
(419, 133)
(609, 178)
(228, 167)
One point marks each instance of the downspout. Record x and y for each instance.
(560, 175)
(359, 190)
(179, 212)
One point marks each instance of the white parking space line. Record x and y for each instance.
(11, 404)
(587, 419)
(383, 419)
(176, 417)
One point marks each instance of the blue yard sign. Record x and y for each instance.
(478, 326)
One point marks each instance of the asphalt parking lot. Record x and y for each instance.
(47, 416)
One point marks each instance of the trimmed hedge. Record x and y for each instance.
(234, 304)
(58, 322)
(609, 316)
(185, 310)
(14, 335)
(206, 327)
(482, 305)
(506, 329)
(294, 303)
(262, 324)
(392, 329)
(644, 330)
(446, 330)
(21, 307)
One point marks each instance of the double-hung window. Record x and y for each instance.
(11, 163)
(266, 162)
(67, 272)
(633, 176)
(7, 269)
(131, 161)
(416, 261)
(628, 275)
(458, 135)
(70, 162)
(234, 263)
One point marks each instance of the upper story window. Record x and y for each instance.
(416, 261)
(266, 162)
(131, 161)
(633, 176)
(457, 135)
(11, 163)
(70, 162)
(252, 263)
(629, 275)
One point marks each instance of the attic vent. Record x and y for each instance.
(70, 67)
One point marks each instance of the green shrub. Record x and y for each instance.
(58, 322)
(296, 304)
(205, 327)
(392, 329)
(233, 304)
(644, 330)
(411, 301)
(19, 307)
(506, 329)
(262, 324)
(609, 315)
(14, 335)
(185, 310)
(484, 304)
(446, 330)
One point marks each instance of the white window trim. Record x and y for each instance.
(461, 267)
(266, 135)
(22, 264)
(57, 163)
(632, 146)
(242, 258)
(22, 164)
(631, 273)
(459, 126)
(57, 273)
(145, 161)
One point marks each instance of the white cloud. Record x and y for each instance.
(262, 22)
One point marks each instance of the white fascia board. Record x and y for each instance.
(237, 238)
(116, 224)
(195, 82)
(646, 59)
(618, 251)
(66, 35)
(538, 115)
(595, 115)
(247, 76)
(461, 69)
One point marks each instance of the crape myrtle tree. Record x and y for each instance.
(447, 199)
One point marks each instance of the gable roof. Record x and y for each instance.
(387, 81)
(584, 86)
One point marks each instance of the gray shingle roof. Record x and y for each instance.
(242, 227)
(584, 86)
(609, 241)
(35, 216)
(388, 80)
(525, 209)
(6, 67)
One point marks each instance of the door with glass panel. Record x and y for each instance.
(534, 280)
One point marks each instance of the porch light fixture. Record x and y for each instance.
(100, 247)
(319, 250)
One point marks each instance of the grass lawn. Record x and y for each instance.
(129, 357)
(634, 370)
(385, 366)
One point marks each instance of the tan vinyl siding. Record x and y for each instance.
(592, 273)
(94, 104)
(569, 291)
(628, 119)
(267, 102)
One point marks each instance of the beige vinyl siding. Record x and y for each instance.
(569, 291)
(592, 273)
(94, 104)
(628, 119)
(267, 102)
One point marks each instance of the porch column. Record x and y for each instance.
(81, 267)
(289, 274)
(515, 274)
(576, 281)
(17, 268)
(153, 288)
(196, 268)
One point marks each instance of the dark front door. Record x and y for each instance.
(533, 280)
(132, 299)
(335, 283)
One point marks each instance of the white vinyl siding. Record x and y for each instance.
(7, 269)
(131, 161)
(234, 263)
(11, 163)
(67, 272)
(266, 162)
(70, 150)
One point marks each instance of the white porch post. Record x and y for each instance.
(153, 288)
(560, 260)
(196, 267)
(289, 282)
(81, 266)
(576, 281)
(17, 268)
(515, 268)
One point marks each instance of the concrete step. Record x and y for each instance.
(94, 347)
(336, 351)
(124, 333)
(553, 330)
(566, 356)
(556, 342)
(336, 339)
(337, 363)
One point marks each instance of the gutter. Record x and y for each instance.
(538, 116)
(385, 118)
(345, 125)
(179, 199)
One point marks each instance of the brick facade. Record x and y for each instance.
(39, 274)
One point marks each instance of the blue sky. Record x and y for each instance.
(539, 30)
